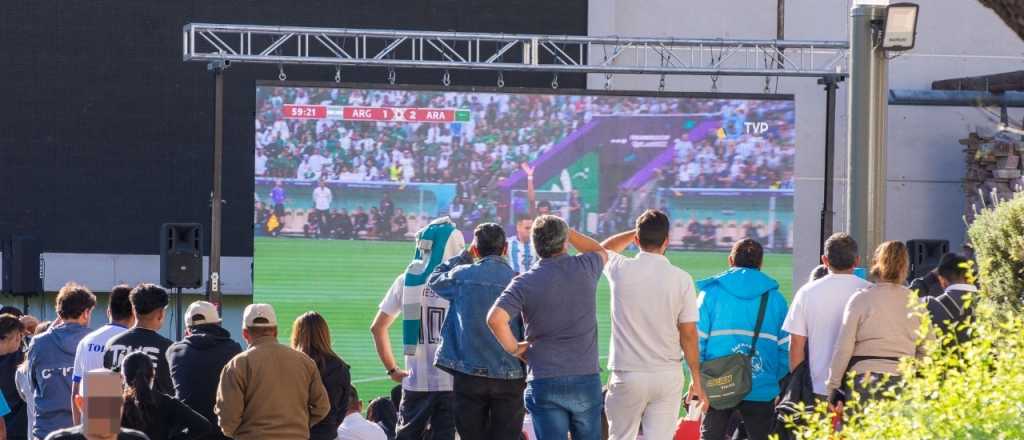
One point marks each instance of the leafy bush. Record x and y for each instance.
(974, 390)
(970, 390)
(998, 238)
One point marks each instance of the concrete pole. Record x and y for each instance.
(867, 130)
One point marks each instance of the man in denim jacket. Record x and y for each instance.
(488, 382)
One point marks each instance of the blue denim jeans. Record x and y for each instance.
(563, 405)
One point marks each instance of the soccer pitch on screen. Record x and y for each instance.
(345, 280)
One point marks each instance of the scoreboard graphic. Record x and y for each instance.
(375, 114)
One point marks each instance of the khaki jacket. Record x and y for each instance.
(270, 391)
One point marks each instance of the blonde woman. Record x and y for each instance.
(311, 336)
(879, 327)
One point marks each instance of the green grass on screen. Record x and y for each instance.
(346, 280)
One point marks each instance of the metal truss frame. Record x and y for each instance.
(610, 55)
(220, 45)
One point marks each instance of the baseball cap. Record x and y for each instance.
(201, 312)
(263, 312)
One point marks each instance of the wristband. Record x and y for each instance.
(392, 371)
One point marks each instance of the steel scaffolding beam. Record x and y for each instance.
(511, 52)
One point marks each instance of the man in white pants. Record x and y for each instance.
(654, 322)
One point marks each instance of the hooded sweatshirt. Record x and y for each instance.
(51, 357)
(728, 305)
(195, 363)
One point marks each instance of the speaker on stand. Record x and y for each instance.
(925, 255)
(181, 261)
(23, 267)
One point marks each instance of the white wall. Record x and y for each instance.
(100, 272)
(955, 38)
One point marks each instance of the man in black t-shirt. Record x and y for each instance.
(148, 302)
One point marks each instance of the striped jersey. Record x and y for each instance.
(521, 256)
(423, 375)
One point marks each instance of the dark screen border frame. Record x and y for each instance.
(528, 90)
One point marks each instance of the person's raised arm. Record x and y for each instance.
(531, 195)
(382, 341)
(441, 280)
(498, 321)
(584, 244)
(619, 242)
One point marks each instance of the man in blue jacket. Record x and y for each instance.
(488, 382)
(51, 359)
(728, 304)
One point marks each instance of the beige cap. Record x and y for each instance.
(256, 311)
(201, 312)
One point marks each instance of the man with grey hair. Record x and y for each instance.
(557, 299)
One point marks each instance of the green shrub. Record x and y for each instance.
(998, 239)
(968, 391)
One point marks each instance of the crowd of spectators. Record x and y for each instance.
(113, 385)
(737, 156)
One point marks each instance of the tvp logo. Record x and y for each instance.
(757, 128)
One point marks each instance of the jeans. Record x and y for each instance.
(564, 405)
(488, 409)
(650, 398)
(758, 418)
(420, 408)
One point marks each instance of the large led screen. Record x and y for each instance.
(346, 176)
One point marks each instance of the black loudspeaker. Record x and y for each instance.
(925, 255)
(181, 255)
(22, 269)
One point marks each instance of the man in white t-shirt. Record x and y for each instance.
(89, 353)
(355, 426)
(322, 199)
(816, 313)
(654, 324)
(427, 397)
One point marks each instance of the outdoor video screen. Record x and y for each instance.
(345, 177)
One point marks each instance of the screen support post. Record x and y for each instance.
(216, 199)
(177, 314)
(831, 83)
